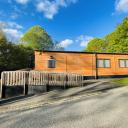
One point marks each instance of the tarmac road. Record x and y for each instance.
(106, 110)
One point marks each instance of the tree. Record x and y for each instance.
(57, 46)
(115, 42)
(37, 39)
(96, 45)
(3, 51)
(14, 57)
(18, 57)
(118, 40)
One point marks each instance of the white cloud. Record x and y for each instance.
(81, 40)
(2, 24)
(50, 8)
(12, 34)
(65, 43)
(14, 25)
(12, 30)
(14, 15)
(84, 40)
(122, 6)
(22, 1)
(17, 12)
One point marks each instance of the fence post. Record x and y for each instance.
(2, 87)
(25, 80)
(66, 85)
(47, 85)
(1, 91)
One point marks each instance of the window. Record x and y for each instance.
(51, 63)
(103, 63)
(123, 63)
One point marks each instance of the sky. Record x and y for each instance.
(73, 23)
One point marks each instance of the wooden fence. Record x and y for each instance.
(54, 79)
(14, 78)
(30, 78)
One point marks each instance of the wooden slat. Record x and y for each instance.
(41, 78)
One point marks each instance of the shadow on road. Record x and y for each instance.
(54, 94)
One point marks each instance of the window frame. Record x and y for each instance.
(104, 65)
(125, 63)
(50, 64)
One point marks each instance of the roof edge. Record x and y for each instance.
(82, 52)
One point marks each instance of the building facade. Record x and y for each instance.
(90, 65)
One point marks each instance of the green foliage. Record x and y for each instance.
(96, 45)
(118, 40)
(115, 42)
(19, 56)
(37, 39)
(13, 57)
(3, 50)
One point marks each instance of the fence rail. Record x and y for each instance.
(30, 78)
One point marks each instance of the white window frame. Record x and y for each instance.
(104, 63)
(125, 63)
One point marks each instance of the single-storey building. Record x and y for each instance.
(90, 65)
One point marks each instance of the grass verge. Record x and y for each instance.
(121, 81)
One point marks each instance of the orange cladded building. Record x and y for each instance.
(90, 65)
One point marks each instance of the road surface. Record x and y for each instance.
(106, 110)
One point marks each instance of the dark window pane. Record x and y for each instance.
(51, 63)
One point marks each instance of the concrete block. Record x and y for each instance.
(36, 89)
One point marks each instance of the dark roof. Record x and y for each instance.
(82, 52)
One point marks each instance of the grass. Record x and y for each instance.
(121, 81)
